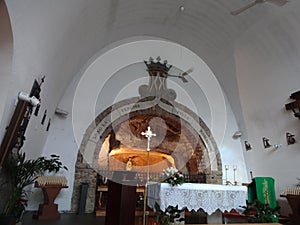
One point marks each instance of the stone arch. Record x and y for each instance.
(120, 112)
(112, 117)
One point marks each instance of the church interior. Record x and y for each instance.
(119, 91)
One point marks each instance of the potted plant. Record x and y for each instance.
(170, 216)
(257, 212)
(20, 173)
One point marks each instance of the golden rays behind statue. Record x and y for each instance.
(135, 159)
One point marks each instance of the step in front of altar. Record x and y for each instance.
(138, 212)
(244, 224)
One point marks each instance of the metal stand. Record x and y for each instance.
(145, 212)
(148, 134)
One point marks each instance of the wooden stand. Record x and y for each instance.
(49, 210)
(294, 202)
(121, 202)
(101, 208)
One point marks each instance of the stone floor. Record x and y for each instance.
(91, 219)
(72, 219)
(66, 219)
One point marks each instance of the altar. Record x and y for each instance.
(212, 198)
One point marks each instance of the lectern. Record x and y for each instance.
(49, 210)
(51, 186)
(263, 190)
(121, 199)
(294, 202)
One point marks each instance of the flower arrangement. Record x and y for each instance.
(172, 176)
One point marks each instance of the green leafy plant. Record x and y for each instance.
(22, 172)
(257, 212)
(168, 216)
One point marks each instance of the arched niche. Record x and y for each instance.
(180, 134)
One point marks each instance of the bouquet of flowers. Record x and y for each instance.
(172, 176)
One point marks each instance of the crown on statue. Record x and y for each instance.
(157, 66)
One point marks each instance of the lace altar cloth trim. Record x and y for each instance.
(208, 197)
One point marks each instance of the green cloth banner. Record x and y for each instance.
(262, 189)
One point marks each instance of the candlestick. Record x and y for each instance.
(226, 174)
(234, 174)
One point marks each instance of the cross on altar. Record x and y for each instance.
(148, 134)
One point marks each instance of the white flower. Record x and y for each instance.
(172, 176)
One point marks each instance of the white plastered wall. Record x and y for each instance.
(267, 75)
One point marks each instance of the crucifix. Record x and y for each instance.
(148, 134)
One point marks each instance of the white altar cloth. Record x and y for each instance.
(208, 197)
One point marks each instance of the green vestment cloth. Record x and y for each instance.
(262, 189)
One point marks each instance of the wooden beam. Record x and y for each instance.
(9, 139)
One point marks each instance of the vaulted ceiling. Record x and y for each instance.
(59, 37)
